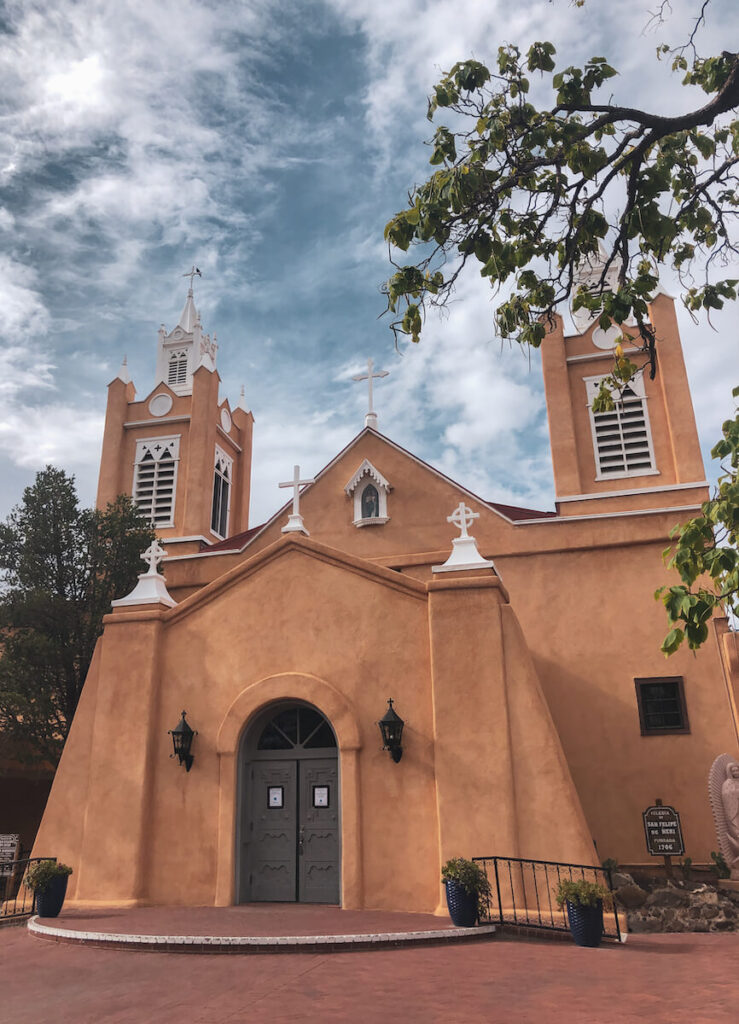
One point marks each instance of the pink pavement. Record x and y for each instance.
(665, 979)
(246, 919)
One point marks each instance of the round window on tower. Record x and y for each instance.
(160, 405)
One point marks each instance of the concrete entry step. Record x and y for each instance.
(251, 929)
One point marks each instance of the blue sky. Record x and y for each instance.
(269, 142)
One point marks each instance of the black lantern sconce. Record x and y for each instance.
(182, 736)
(391, 727)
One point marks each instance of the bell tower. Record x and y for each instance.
(181, 451)
(645, 453)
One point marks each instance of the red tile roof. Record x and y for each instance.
(516, 513)
(234, 543)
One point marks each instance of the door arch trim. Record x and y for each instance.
(313, 690)
(289, 686)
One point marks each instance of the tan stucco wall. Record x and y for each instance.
(522, 730)
(566, 362)
(583, 592)
(588, 673)
(196, 419)
(303, 621)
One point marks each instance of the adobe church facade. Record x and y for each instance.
(540, 717)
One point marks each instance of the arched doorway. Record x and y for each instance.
(289, 807)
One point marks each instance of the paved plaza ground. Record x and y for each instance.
(664, 979)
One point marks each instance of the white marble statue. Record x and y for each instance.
(723, 789)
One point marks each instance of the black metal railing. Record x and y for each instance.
(16, 899)
(524, 892)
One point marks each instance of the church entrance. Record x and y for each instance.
(289, 827)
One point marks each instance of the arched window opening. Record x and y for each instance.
(370, 502)
(155, 479)
(297, 728)
(177, 372)
(622, 438)
(221, 493)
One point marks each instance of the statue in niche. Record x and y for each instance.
(370, 502)
(723, 789)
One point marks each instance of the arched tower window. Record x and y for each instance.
(370, 502)
(177, 369)
(221, 493)
(622, 439)
(155, 478)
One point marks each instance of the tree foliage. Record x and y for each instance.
(60, 567)
(579, 202)
(705, 555)
(530, 195)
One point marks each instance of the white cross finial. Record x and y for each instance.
(193, 272)
(462, 517)
(370, 420)
(152, 586)
(153, 556)
(464, 548)
(295, 522)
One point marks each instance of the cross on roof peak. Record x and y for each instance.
(370, 420)
(295, 522)
(193, 272)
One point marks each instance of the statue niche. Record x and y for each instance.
(368, 490)
(370, 502)
(723, 790)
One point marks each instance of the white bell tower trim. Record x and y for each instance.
(181, 351)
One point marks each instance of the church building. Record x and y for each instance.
(518, 649)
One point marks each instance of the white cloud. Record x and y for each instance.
(24, 314)
(283, 440)
(36, 435)
(144, 136)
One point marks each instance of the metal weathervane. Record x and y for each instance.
(193, 272)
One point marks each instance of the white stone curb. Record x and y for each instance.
(255, 941)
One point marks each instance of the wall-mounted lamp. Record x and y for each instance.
(182, 736)
(391, 727)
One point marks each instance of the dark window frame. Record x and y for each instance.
(646, 729)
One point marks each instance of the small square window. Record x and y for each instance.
(661, 703)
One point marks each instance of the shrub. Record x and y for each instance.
(584, 894)
(719, 867)
(41, 873)
(471, 877)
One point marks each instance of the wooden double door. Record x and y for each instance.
(290, 840)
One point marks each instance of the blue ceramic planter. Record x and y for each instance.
(462, 905)
(586, 923)
(50, 901)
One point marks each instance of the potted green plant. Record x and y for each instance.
(467, 891)
(48, 880)
(585, 902)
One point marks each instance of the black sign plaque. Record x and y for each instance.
(663, 832)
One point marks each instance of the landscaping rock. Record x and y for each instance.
(631, 896)
(681, 907)
(668, 897)
(619, 879)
